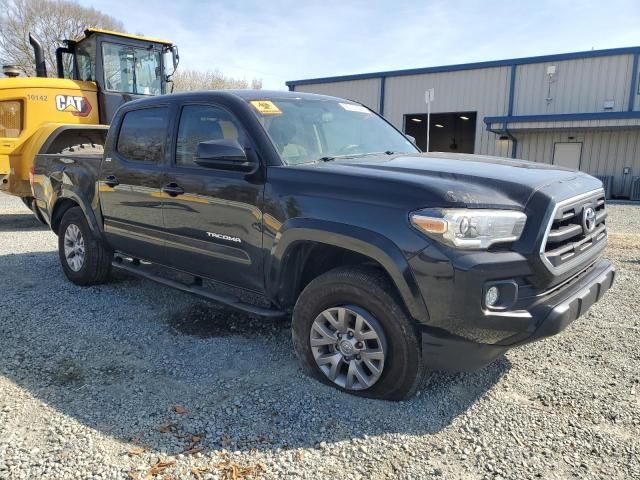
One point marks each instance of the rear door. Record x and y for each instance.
(213, 226)
(567, 154)
(130, 183)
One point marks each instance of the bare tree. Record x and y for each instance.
(187, 80)
(52, 21)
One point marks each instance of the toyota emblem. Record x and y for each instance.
(588, 219)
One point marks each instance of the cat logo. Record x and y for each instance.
(78, 106)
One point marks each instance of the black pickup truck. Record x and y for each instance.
(390, 261)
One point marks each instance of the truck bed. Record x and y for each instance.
(52, 171)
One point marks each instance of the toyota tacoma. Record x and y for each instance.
(390, 262)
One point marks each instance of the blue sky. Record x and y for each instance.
(279, 40)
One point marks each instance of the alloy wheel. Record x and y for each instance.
(349, 346)
(74, 251)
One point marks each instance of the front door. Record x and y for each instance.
(567, 154)
(130, 184)
(213, 228)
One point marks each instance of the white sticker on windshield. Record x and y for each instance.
(354, 108)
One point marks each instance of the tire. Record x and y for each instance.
(95, 264)
(368, 293)
(84, 148)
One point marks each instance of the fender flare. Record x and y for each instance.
(83, 203)
(359, 240)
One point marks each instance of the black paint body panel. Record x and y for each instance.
(363, 205)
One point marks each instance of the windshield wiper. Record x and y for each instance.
(354, 155)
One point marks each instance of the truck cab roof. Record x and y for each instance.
(244, 94)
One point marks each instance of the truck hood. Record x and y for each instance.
(469, 179)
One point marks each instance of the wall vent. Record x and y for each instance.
(607, 183)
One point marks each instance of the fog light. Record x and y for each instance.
(491, 297)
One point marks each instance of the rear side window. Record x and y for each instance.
(143, 134)
(202, 123)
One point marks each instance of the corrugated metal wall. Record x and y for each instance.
(578, 86)
(485, 91)
(363, 91)
(604, 152)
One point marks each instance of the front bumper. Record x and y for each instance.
(548, 314)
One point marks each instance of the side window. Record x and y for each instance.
(118, 65)
(143, 134)
(201, 123)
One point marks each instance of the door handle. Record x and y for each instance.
(173, 189)
(111, 181)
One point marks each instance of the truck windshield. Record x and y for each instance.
(308, 130)
(132, 70)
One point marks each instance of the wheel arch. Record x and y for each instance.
(64, 203)
(67, 135)
(307, 248)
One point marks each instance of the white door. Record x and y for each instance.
(567, 155)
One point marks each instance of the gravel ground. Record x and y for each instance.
(132, 380)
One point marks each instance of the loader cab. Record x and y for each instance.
(124, 67)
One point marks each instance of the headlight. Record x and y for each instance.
(470, 228)
(10, 118)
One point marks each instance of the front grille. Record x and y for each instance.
(570, 235)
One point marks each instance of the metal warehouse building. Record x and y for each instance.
(580, 110)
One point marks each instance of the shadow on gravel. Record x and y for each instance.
(120, 357)
(20, 221)
(206, 320)
(633, 262)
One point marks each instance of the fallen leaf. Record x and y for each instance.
(192, 451)
(167, 427)
(232, 471)
(136, 451)
(179, 409)
(199, 471)
(195, 439)
(160, 466)
(300, 455)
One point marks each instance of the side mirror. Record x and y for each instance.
(224, 155)
(410, 138)
(174, 59)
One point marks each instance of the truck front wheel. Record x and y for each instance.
(84, 258)
(350, 332)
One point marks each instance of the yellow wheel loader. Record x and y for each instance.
(95, 75)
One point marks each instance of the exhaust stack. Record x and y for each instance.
(41, 67)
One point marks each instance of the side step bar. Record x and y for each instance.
(136, 268)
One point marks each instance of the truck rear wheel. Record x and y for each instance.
(350, 332)
(84, 148)
(84, 258)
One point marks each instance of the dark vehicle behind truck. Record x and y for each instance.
(390, 261)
